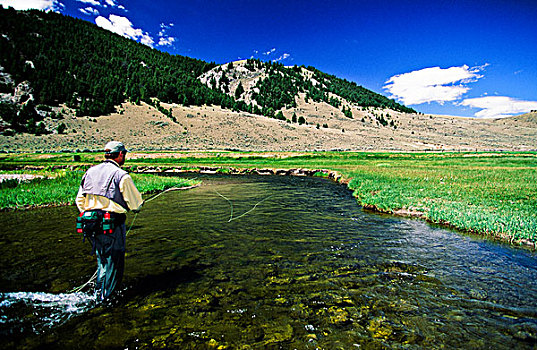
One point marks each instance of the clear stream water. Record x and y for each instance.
(306, 269)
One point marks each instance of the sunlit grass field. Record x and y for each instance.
(493, 194)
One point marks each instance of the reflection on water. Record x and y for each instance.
(304, 268)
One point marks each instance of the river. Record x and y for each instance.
(266, 262)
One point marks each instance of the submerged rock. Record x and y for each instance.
(339, 316)
(379, 328)
(525, 331)
(276, 333)
(478, 294)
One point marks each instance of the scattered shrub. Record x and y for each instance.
(61, 128)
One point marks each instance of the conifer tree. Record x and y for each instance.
(239, 91)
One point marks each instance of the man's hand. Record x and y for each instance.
(139, 208)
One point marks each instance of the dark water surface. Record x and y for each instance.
(306, 269)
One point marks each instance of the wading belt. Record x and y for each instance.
(91, 223)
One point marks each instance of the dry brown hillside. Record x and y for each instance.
(142, 127)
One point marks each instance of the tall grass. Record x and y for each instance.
(493, 200)
(61, 187)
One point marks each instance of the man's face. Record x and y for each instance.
(121, 158)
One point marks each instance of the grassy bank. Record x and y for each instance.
(60, 188)
(494, 194)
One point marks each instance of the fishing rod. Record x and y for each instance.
(155, 196)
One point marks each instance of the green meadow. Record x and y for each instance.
(493, 194)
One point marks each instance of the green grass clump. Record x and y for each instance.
(492, 200)
(149, 183)
(61, 187)
(57, 190)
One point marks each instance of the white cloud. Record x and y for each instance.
(146, 39)
(103, 3)
(166, 41)
(432, 84)
(123, 26)
(90, 2)
(90, 11)
(45, 5)
(164, 28)
(499, 106)
(111, 3)
(270, 51)
(283, 57)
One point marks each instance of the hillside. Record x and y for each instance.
(48, 60)
(143, 127)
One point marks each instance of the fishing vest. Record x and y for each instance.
(103, 180)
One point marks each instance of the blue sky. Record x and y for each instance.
(467, 58)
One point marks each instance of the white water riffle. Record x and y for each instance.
(42, 310)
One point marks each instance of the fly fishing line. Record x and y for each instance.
(92, 278)
(231, 218)
(155, 196)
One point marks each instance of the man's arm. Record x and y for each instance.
(132, 196)
(80, 200)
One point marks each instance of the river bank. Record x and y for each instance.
(490, 194)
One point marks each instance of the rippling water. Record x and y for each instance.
(304, 268)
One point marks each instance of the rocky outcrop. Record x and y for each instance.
(227, 78)
(23, 93)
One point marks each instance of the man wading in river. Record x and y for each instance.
(106, 193)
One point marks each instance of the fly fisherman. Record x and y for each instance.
(107, 192)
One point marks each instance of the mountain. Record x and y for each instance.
(66, 84)
(50, 60)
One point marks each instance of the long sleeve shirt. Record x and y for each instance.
(130, 193)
